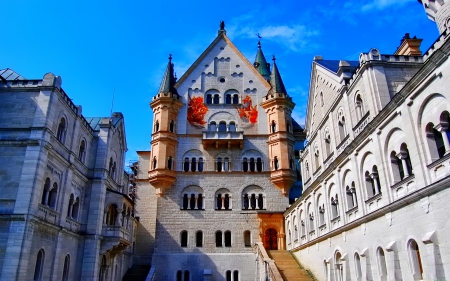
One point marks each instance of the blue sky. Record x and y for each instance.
(99, 47)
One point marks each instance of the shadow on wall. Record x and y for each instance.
(174, 264)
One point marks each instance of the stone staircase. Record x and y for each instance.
(136, 273)
(289, 269)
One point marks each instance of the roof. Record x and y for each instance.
(9, 75)
(261, 63)
(168, 81)
(296, 127)
(95, 122)
(275, 80)
(333, 65)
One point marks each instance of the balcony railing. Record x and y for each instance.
(113, 231)
(227, 138)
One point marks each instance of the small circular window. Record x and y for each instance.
(222, 80)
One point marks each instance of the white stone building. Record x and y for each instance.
(66, 204)
(376, 167)
(221, 163)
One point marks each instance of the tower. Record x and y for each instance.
(438, 11)
(165, 106)
(278, 106)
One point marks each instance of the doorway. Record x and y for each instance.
(271, 239)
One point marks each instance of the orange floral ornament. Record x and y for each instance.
(247, 112)
(196, 112)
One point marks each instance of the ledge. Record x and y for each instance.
(352, 209)
(336, 219)
(373, 198)
(438, 161)
(403, 181)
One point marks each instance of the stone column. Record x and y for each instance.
(374, 176)
(196, 202)
(442, 128)
(222, 206)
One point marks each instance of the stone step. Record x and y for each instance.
(288, 267)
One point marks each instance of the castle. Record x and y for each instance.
(217, 196)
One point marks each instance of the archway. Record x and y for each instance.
(271, 239)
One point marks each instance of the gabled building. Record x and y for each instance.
(66, 204)
(221, 163)
(376, 165)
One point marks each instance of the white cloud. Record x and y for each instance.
(382, 4)
(295, 37)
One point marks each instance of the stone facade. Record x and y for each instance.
(66, 204)
(220, 186)
(375, 168)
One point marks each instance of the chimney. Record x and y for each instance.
(409, 46)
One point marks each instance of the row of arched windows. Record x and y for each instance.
(414, 261)
(171, 126)
(222, 127)
(50, 194)
(252, 199)
(112, 169)
(39, 267)
(215, 99)
(222, 164)
(61, 137)
(273, 127)
(222, 239)
(116, 217)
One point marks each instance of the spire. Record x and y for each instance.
(260, 62)
(275, 80)
(168, 81)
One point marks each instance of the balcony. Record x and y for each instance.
(115, 239)
(48, 214)
(223, 139)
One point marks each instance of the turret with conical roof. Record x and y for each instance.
(260, 63)
(165, 105)
(278, 105)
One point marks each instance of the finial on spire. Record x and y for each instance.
(170, 57)
(273, 58)
(222, 25)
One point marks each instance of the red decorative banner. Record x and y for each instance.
(247, 112)
(196, 112)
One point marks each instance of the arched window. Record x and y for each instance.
(244, 165)
(252, 164)
(219, 164)
(187, 275)
(415, 260)
(154, 162)
(113, 171)
(321, 99)
(179, 275)
(53, 196)
(184, 238)
(334, 207)
(273, 126)
(156, 126)
(186, 164)
(172, 126)
(328, 143)
(193, 164)
(46, 192)
(321, 215)
(275, 163)
(222, 127)
(435, 142)
(111, 215)
(311, 222)
(350, 194)
(199, 239)
(397, 167)
(370, 185)
(235, 275)
(192, 202)
(65, 276)
(359, 107)
(82, 151)
(247, 238)
(228, 99)
(235, 99)
(232, 127)
(406, 159)
(208, 99)
(302, 228)
(316, 159)
(382, 269)
(39, 265)
(75, 208)
(169, 163)
(358, 269)
(307, 170)
(227, 238)
(228, 275)
(212, 126)
(69, 209)
(259, 164)
(61, 133)
(185, 201)
(342, 130)
(339, 267)
(288, 126)
(200, 164)
(226, 164)
(219, 238)
(216, 99)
